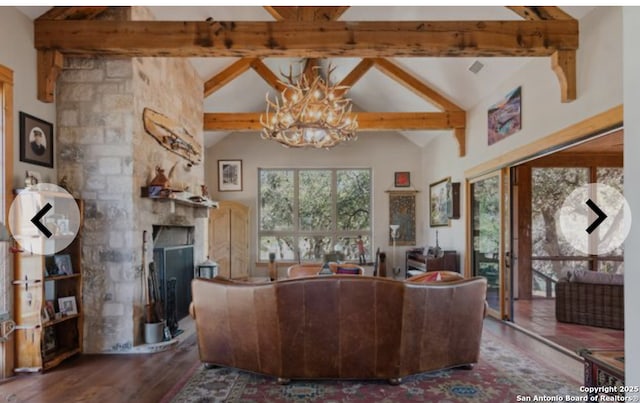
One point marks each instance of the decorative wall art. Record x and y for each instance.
(440, 203)
(505, 117)
(402, 179)
(172, 136)
(229, 175)
(36, 141)
(402, 212)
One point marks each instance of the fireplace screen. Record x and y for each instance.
(175, 263)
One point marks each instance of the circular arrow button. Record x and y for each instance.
(595, 219)
(44, 219)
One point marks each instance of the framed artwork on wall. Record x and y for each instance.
(229, 175)
(440, 203)
(402, 212)
(36, 140)
(505, 118)
(402, 179)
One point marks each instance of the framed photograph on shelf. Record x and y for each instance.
(440, 203)
(229, 175)
(36, 140)
(402, 179)
(44, 315)
(68, 306)
(63, 264)
(51, 312)
(49, 340)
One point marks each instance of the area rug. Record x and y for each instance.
(503, 374)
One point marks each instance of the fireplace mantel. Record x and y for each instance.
(183, 198)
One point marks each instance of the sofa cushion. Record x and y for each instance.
(595, 277)
(348, 270)
(435, 276)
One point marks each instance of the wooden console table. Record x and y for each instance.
(604, 368)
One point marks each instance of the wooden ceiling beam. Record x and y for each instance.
(308, 39)
(369, 121)
(228, 74)
(414, 84)
(356, 74)
(306, 13)
(563, 63)
(267, 75)
(49, 66)
(540, 13)
(311, 69)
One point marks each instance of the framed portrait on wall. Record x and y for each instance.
(229, 175)
(36, 140)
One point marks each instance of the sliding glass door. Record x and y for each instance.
(488, 200)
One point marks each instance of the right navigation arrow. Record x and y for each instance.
(601, 216)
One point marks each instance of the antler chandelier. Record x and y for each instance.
(311, 113)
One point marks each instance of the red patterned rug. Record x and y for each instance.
(503, 374)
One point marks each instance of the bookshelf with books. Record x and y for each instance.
(48, 294)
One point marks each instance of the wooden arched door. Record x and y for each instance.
(229, 239)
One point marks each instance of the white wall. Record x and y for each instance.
(631, 24)
(385, 153)
(17, 53)
(599, 83)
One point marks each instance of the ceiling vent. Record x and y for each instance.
(476, 67)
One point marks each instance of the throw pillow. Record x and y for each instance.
(436, 276)
(347, 270)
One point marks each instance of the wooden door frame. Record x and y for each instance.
(6, 143)
(501, 174)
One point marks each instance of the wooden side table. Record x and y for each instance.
(603, 368)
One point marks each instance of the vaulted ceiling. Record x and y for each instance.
(427, 70)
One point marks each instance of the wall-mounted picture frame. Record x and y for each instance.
(505, 117)
(36, 140)
(67, 306)
(402, 212)
(402, 179)
(439, 203)
(63, 264)
(230, 175)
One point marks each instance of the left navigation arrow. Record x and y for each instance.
(36, 220)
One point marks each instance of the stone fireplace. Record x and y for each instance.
(107, 157)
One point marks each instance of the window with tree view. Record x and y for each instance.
(304, 214)
(551, 253)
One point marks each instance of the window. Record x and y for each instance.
(304, 214)
(551, 253)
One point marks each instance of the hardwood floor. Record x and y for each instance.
(106, 378)
(149, 377)
(538, 315)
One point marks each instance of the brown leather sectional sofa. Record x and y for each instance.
(351, 327)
